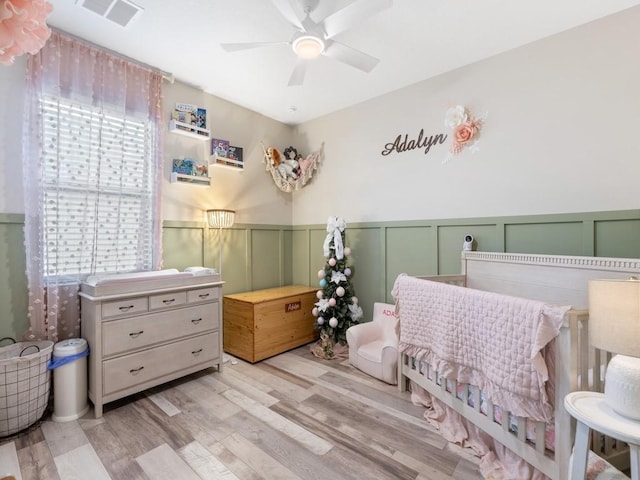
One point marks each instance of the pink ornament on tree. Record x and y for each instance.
(333, 323)
(332, 262)
(321, 274)
(332, 302)
(354, 300)
(347, 251)
(340, 292)
(319, 295)
(314, 312)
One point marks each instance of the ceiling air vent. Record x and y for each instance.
(122, 12)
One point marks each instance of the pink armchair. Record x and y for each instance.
(373, 346)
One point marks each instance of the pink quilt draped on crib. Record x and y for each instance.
(481, 338)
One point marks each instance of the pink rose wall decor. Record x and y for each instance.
(23, 28)
(465, 130)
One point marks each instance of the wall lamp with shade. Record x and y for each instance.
(614, 326)
(220, 218)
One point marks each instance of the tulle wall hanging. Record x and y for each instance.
(23, 28)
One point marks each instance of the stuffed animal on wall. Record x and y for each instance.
(274, 156)
(306, 163)
(289, 167)
(291, 153)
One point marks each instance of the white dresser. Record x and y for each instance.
(145, 333)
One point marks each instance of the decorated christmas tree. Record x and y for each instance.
(337, 308)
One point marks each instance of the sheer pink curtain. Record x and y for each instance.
(79, 73)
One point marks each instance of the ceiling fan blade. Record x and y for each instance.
(297, 76)
(352, 14)
(235, 47)
(351, 56)
(288, 12)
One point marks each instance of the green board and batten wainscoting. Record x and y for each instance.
(264, 256)
(13, 276)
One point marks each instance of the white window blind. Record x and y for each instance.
(98, 184)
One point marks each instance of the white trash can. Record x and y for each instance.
(69, 365)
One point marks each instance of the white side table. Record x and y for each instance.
(591, 412)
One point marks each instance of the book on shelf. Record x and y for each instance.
(219, 147)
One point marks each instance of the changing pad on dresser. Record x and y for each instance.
(114, 284)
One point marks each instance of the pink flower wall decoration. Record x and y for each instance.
(466, 129)
(23, 28)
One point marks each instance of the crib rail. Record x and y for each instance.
(459, 280)
(578, 367)
(466, 400)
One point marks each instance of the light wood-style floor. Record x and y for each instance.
(289, 417)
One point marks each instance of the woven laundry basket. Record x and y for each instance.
(24, 384)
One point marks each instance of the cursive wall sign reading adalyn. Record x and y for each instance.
(402, 145)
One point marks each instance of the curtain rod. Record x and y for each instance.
(165, 75)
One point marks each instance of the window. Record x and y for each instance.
(92, 170)
(97, 188)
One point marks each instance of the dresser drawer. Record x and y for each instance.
(124, 335)
(128, 306)
(125, 372)
(167, 300)
(203, 295)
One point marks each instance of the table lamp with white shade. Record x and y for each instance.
(614, 326)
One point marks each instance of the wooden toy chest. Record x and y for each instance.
(263, 323)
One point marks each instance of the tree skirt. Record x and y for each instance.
(326, 348)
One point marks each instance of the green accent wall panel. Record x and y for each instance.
(316, 255)
(301, 270)
(560, 238)
(266, 262)
(235, 261)
(13, 281)
(210, 252)
(617, 238)
(408, 250)
(451, 240)
(263, 256)
(182, 247)
(287, 259)
(367, 264)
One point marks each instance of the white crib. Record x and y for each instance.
(554, 279)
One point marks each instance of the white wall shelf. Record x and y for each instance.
(190, 179)
(189, 130)
(229, 163)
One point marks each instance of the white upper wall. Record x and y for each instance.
(250, 192)
(560, 136)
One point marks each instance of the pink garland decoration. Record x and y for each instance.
(23, 28)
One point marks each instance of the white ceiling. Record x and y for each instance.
(414, 40)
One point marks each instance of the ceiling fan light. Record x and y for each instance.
(308, 47)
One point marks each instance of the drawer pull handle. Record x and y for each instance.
(136, 334)
(197, 352)
(135, 371)
(169, 301)
(196, 321)
(126, 308)
(203, 295)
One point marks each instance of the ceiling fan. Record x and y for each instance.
(314, 38)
